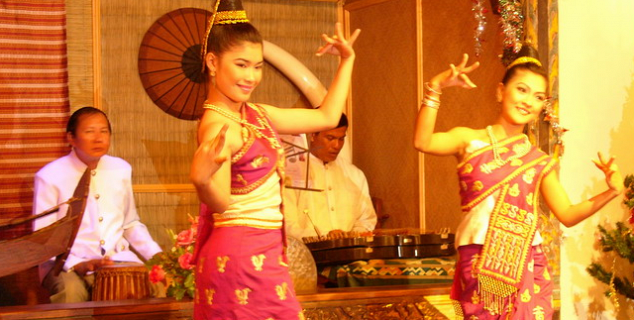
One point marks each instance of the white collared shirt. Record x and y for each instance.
(110, 224)
(344, 204)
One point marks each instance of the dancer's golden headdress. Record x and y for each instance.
(526, 54)
(225, 12)
(522, 60)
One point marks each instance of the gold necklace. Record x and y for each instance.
(258, 131)
(519, 149)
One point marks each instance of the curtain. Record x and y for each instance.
(34, 103)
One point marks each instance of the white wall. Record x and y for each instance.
(596, 52)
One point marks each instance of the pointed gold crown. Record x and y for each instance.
(522, 60)
(222, 17)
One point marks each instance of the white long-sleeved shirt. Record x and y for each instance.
(110, 224)
(344, 204)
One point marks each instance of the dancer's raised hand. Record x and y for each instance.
(338, 44)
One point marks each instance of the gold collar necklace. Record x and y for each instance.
(519, 149)
(257, 130)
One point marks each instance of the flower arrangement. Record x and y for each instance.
(173, 268)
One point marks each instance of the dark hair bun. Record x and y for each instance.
(527, 50)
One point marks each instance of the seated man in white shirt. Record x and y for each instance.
(344, 204)
(110, 225)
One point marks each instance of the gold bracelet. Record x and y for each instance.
(431, 104)
(428, 97)
(430, 89)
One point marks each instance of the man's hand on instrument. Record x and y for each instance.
(91, 265)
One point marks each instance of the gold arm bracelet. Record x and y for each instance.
(431, 104)
(430, 89)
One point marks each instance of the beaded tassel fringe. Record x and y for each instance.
(494, 292)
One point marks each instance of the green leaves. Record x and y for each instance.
(178, 274)
(619, 240)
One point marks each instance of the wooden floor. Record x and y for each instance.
(398, 302)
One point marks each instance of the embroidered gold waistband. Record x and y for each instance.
(247, 222)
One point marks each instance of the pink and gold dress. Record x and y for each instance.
(502, 272)
(241, 269)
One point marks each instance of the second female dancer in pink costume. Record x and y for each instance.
(502, 272)
(238, 169)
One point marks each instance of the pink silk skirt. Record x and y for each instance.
(532, 301)
(242, 273)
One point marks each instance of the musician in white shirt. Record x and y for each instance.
(344, 204)
(110, 225)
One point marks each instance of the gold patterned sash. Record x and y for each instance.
(513, 221)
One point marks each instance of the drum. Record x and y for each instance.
(121, 281)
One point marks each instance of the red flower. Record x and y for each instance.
(184, 261)
(185, 238)
(157, 274)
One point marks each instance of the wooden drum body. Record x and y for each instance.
(121, 281)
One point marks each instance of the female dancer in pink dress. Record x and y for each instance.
(238, 170)
(502, 272)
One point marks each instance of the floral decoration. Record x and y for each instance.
(479, 12)
(173, 269)
(512, 23)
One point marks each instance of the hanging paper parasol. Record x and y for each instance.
(170, 65)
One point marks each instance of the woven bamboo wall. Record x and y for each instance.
(384, 94)
(157, 145)
(80, 70)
